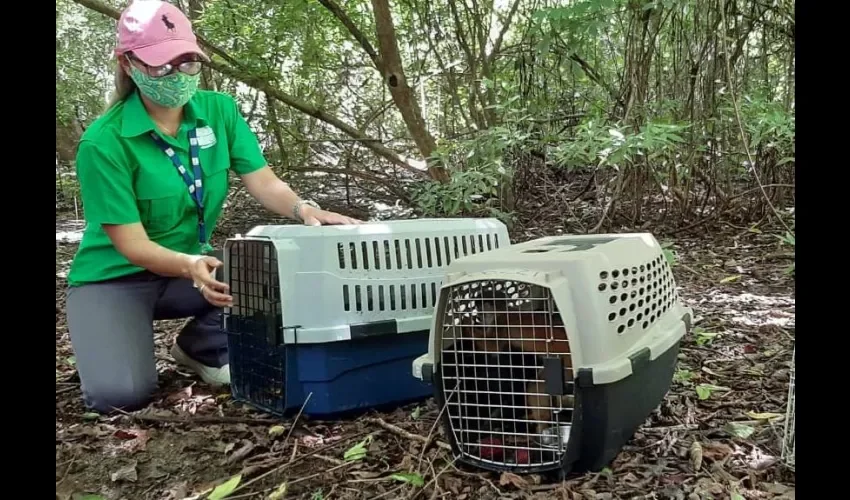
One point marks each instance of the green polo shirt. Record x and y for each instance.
(125, 178)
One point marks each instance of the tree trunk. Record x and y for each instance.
(235, 72)
(403, 96)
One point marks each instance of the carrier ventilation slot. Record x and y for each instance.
(638, 295)
(506, 373)
(412, 253)
(402, 297)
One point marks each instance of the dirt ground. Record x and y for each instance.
(717, 435)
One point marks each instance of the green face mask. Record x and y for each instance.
(171, 91)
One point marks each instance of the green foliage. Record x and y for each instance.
(683, 377)
(614, 86)
(788, 239)
(573, 22)
(84, 41)
(770, 131)
(704, 391)
(479, 173)
(226, 488)
(616, 146)
(359, 450)
(409, 477)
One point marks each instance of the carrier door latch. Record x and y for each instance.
(428, 373)
(553, 376)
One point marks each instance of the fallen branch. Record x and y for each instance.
(405, 434)
(201, 420)
(672, 428)
(67, 389)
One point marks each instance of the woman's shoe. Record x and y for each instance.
(210, 375)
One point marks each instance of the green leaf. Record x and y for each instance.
(704, 391)
(91, 415)
(703, 338)
(730, 279)
(739, 430)
(736, 496)
(358, 451)
(409, 477)
(89, 497)
(225, 489)
(278, 493)
(669, 256)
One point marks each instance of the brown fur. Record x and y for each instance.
(501, 328)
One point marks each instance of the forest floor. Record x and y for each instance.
(193, 438)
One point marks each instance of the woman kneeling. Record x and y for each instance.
(153, 173)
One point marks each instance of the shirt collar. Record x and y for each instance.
(135, 120)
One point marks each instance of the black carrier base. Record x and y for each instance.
(605, 419)
(611, 413)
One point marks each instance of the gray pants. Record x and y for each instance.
(111, 329)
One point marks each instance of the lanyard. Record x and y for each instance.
(196, 184)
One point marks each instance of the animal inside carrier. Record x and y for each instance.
(339, 312)
(547, 355)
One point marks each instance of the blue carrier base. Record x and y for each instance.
(370, 371)
(606, 415)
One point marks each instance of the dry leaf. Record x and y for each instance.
(365, 474)
(312, 441)
(134, 439)
(126, 473)
(452, 484)
(696, 455)
(240, 454)
(710, 486)
(406, 463)
(716, 451)
(763, 416)
(65, 489)
(759, 460)
(776, 488)
(180, 395)
(509, 478)
(178, 491)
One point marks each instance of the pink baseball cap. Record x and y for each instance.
(156, 32)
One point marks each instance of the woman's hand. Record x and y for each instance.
(315, 217)
(214, 291)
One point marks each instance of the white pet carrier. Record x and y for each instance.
(549, 354)
(317, 287)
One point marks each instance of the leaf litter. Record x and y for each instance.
(696, 445)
